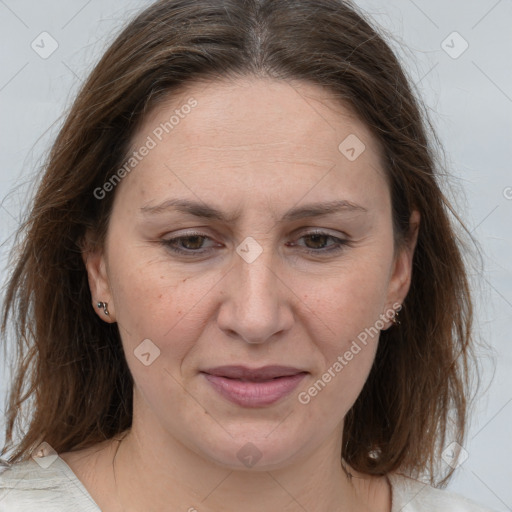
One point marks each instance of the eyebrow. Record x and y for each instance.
(203, 210)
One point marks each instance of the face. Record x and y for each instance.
(254, 233)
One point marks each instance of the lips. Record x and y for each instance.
(254, 387)
(255, 375)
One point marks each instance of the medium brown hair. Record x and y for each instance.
(70, 367)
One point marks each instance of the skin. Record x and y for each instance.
(254, 148)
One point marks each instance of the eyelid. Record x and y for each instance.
(188, 234)
(168, 243)
(314, 230)
(339, 243)
(301, 232)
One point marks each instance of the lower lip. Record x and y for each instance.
(254, 394)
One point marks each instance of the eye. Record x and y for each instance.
(317, 242)
(189, 244)
(194, 244)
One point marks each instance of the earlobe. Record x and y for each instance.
(96, 267)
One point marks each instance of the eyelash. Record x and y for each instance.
(338, 246)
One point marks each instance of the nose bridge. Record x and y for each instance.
(255, 307)
(258, 278)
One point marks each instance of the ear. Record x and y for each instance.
(400, 280)
(95, 263)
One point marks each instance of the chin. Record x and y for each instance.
(261, 450)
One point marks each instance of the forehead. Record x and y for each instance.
(250, 133)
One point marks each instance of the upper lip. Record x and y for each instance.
(262, 373)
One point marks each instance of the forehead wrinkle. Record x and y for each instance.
(312, 161)
(238, 147)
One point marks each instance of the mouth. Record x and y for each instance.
(257, 387)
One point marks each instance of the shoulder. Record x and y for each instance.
(413, 496)
(26, 486)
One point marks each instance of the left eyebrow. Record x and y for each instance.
(203, 210)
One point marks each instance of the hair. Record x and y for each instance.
(70, 366)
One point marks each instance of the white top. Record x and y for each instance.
(28, 487)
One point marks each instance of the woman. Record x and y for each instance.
(239, 286)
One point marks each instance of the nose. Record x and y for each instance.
(257, 303)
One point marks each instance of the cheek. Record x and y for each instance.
(349, 302)
(157, 302)
(343, 328)
(333, 392)
(344, 322)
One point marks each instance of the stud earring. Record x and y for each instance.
(395, 318)
(104, 305)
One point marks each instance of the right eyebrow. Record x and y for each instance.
(196, 208)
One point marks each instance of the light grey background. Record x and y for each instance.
(469, 98)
